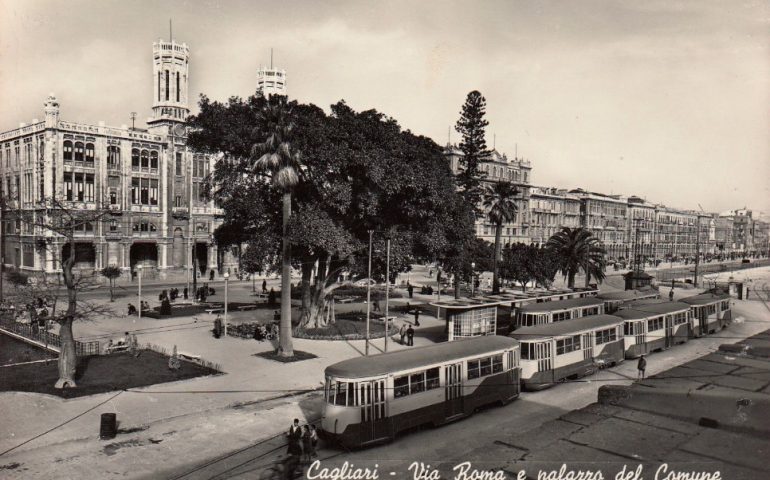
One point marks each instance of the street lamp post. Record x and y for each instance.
(227, 280)
(139, 276)
(387, 288)
(473, 279)
(368, 294)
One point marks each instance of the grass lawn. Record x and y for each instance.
(345, 329)
(100, 373)
(13, 351)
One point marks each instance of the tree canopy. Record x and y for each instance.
(359, 171)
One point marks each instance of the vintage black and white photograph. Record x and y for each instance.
(375, 240)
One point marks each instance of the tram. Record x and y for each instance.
(650, 327)
(371, 399)
(710, 312)
(616, 300)
(554, 352)
(556, 311)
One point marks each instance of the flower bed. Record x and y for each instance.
(344, 329)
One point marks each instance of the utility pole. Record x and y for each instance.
(369, 294)
(387, 289)
(697, 249)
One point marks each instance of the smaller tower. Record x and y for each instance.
(271, 81)
(51, 112)
(170, 68)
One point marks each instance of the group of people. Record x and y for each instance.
(408, 333)
(303, 442)
(171, 295)
(132, 309)
(266, 332)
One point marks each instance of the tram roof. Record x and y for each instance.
(705, 298)
(624, 295)
(560, 304)
(391, 362)
(651, 310)
(566, 327)
(466, 303)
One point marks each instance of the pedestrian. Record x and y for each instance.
(218, 327)
(376, 305)
(264, 286)
(184, 293)
(671, 295)
(313, 441)
(307, 443)
(430, 274)
(295, 434)
(410, 289)
(416, 317)
(211, 275)
(640, 367)
(410, 336)
(402, 332)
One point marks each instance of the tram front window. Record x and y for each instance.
(341, 394)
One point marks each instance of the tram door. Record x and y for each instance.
(543, 352)
(669, 319)
(701, 317)
(373, 415)
(588, 346)
(454, 390)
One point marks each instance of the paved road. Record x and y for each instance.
(455, 442)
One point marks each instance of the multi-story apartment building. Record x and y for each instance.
(496, 168)
(605, 216)
(148, 179)
(761, 236)
(676, 233)
(550, 210)
(641, 229)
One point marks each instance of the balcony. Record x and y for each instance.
(180, 212)
(116, 209)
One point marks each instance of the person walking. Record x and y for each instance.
(402, 332)
(264, 286)
(313, 441)
(671, 295)
(410, 289)
(410, 336)
(295, 436)
(416, 317)
(307, 443)
(641, 366)
(184, 293)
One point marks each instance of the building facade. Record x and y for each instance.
(606, 217)
(551, 209)
(148, 180)
(496, 168)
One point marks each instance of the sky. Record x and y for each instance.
(667, 100)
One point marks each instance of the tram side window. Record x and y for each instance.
(481, 367)
(525, 351)
(655, 324)
(561, 316)
(497, 363)
(567, 345)
(606, 336)
(416, 382)
(628, 328)
(680, 318)
(712, 309)
(591, 311)
(725, 305)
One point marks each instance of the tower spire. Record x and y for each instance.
(170, 31)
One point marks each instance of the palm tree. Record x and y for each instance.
(577, 249)
(500, 200)
(276, 157)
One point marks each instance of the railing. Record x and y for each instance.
(53, 340)
(664, 274)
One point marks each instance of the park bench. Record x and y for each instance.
(189, 356)
(247, 307)
(345, 300)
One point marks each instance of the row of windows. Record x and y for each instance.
(568, 345)
(144, 159)
(483, 367)
(416, 383)
(78, 152)
(144, 191)
(655, 324)
(606, 336)
(79, 186)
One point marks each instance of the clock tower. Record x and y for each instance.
(170, 68)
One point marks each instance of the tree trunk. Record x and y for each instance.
(588, 278)
(112, 296)
(307, 273)
(571, 279)
(67, 356)
(285, 347)
(67, 352)
(457, 285)
(495, 285)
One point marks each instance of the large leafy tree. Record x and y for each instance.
(576, 249)
(500, 203)
(359, 172)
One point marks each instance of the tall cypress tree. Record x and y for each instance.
(471, 126)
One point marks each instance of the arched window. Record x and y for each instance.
(113, 156)
(145, 159)
(113, 198)
(90, 152)
(78, 151)
(135, 158)
(154, 159)
(67, 151)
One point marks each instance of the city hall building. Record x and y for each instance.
(148, 180)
